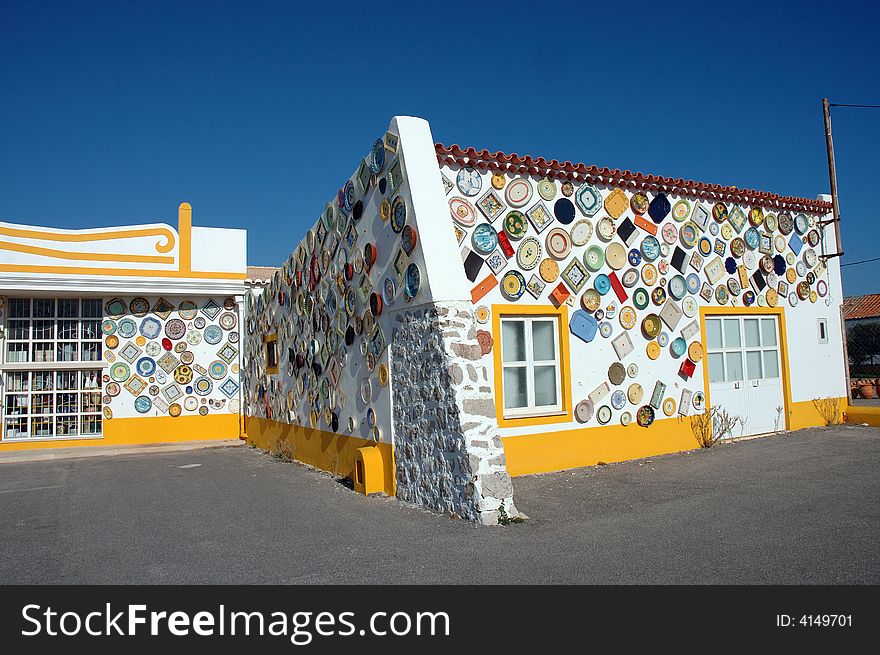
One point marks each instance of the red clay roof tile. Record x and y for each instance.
(525, 164)
(867, 306)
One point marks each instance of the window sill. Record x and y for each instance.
(43, 439)
(547, 418)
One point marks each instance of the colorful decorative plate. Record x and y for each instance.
(462, 212)
(151, 327)
(801, 224)
(605, 229)
(752, 238)
(398, 214)
(564, 211)
(469, 181)
(627, 317)
(227, 320)
(515, 225)
(677, 287)
(203, 386)
(187, 310)
(484, 239)
(108, 326)
(583, 411)
(689, 306)
(112, 341)
(603, 414)
(116, 307)
(678, 347)
(547, 189)
(645, 416)
(120, 372)
(688, 235)
(618, 399)
(615, 256)
(145, 366)
(412, 281)
(139, 306)
(142, 404)
(641, 298)
(581, 232)
(589, 199)
(639, 203)
(217, 370)
(594, 258)
(558, 243)
(635, 393)
(213, 334)
(602, 284)
(528, 254)
(591, 300)
(650, 248)
(549, 270)
(630, 278)
(719, 212)
(669, 233)
(513, 285)
(649, 274)
(126, 328)
(681, 210)
(518, 192)
(175, 328)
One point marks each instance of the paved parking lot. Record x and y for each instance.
(796, 508)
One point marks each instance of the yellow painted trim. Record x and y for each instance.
(184, 268)
(861, 414)
(555, 451)
(144, 430)
(121, 272)
(82, 236)
(783, 350)
(565, 363)
(184, 229)
(84, 256)
(328, 451)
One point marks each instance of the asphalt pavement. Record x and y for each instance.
(793, 508)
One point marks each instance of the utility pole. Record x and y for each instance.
(835, 208)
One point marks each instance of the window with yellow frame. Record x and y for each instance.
(270, 344)
(532, 372)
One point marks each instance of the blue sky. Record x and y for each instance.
(113, 113)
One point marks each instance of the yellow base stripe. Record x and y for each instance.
(145, 430)
(863, 414)
(120, 272)
(334, 453)
(555, 451)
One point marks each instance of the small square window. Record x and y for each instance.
(271, 346)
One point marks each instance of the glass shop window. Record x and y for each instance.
(531, 378)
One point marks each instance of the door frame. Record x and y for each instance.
(779, 312)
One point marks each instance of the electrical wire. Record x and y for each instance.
(864, 261)
(835, 104)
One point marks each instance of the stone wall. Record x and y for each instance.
(448, 451)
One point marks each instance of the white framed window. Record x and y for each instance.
(53, 368)
(531, 382)
(823, 330)
(40, 330)
(741, 348)
(44, 404)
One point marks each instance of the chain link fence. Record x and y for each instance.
(863, 349)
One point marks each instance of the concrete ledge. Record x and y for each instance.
(49, 454)
(869, 415)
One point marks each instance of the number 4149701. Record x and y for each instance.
(814, 620)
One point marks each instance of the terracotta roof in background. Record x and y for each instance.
(261, 273)
(514, 163)
(861, 306)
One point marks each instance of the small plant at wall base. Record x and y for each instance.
(504, 519)
(830, 409)
(714, 424)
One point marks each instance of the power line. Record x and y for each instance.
(835, 104)
(864, 261)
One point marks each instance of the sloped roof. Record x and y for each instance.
(525, 164)
(261, 273)
(867, 306)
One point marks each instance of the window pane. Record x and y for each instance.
(515, 395)
(768, 331)
(19, 307)
(68, 330)
(543, 346)
(44, 307)
(18, 329)
(16, 352)
(91, 308)
(734, 366)
(91, 330)
(716, 367)
(68, 307)
(753, 338)
(43, 330)
(91, 352)
(513, 341)
(731, 333)
(67, 352)
(713, 333)
(753, 363)
(545, 386)
(43, 351)
(771, 364)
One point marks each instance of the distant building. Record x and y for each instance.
(862, 309)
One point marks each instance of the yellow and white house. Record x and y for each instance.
(120, 335)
